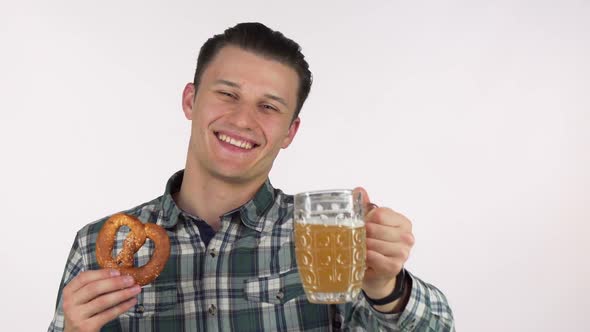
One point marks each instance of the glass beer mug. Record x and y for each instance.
(330, 244)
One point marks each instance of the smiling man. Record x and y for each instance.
(232, 263)
(242, 110)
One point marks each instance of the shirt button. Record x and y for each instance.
(140, 309)
(212, 310)
(213, 253)
(280, 295)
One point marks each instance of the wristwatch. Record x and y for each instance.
(398, 290)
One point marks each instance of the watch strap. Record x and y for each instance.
(398, 291)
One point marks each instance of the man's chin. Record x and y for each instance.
(237, 177)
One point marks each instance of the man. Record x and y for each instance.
(232, 263)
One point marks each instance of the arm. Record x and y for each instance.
(426, 309)
(389, 242)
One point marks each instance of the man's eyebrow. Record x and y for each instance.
(228, 83)
(276, 98)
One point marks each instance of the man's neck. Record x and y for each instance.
(209, 198)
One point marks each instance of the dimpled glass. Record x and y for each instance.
(330, 244)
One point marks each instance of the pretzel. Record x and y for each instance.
(105, 242)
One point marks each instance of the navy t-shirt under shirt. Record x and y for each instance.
(206, 231)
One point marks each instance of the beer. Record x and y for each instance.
(331, 260)
(329, 236)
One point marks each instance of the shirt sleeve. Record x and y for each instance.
(74, 265)
(427, 310)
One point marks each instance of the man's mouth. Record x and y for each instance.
(246, 145)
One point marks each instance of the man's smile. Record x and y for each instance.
(236, 141)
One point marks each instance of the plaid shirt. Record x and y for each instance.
(246, 279)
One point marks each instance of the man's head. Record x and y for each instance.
(250, 85)
(259, 39)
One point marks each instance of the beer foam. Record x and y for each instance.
(332, 219)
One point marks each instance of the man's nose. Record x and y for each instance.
(244, 116)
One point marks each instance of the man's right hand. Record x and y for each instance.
(94, 298)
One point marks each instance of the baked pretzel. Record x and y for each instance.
(105, 242)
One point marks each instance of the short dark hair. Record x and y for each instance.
(260, 39)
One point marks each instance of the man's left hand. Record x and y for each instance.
(389, 242)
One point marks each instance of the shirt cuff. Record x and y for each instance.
(426, 307)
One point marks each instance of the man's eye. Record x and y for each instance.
(226, 94)
(270, 108)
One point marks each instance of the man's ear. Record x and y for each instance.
(291, 133)
(188, 100)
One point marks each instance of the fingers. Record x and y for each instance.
(389, 240)
(388, 217)
(389, 233)
(103, 286)
(106, 316)
(98, 321)
(109, 300)
(398, 250)
(386, 267)
(87, 277)
(388, 248)
(93, 298)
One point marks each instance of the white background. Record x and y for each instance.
(470, 117)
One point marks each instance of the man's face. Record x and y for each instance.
(241, 115)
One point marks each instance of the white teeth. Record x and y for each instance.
(234, 142)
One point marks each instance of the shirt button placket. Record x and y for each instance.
(210, 269)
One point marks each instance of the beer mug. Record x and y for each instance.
(330, 244)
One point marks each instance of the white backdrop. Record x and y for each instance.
(470, 117)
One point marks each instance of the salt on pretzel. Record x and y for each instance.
(105, 242)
